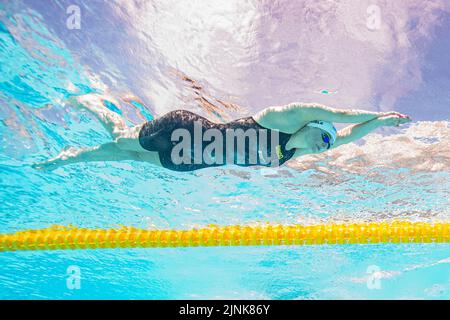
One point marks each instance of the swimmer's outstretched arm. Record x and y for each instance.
(105, 152)
(292, 117)
(304, 112)
(314, 111)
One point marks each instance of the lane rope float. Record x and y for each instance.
(61, 238)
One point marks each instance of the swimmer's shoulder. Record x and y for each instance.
(287, 118)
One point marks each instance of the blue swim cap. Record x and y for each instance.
(325, 126)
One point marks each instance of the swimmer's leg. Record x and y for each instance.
(105, 152)
(111, 121)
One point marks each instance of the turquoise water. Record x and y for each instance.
(389, 175)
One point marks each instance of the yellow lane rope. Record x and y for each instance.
(60, 238)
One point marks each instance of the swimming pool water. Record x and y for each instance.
(401, 174)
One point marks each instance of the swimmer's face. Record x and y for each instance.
(314, 138)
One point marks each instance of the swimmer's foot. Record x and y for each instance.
(65, 157)
(49, 165)
(75, 102)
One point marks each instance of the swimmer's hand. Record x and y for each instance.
(390, 113)
(393, 118)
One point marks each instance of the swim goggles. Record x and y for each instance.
(327, 139)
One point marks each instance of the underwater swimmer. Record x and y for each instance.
(184, 141)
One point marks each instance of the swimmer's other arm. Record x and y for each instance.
(355, 132)
(346, 135)
(358, 131)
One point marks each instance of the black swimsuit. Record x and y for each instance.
(158, 135)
